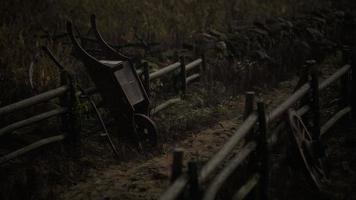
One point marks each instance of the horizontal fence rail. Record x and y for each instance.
(230, 168)
(183, 79)
(165, 70)
(32, 120)
(46, 96)
(31, 147)
(193, 64)
(192, 78)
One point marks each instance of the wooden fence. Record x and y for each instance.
(185, 78)
(66, 110)
(68, 104)
(208, 182)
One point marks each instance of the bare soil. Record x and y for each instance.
(147, 178)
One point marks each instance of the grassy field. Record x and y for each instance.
(26, 25)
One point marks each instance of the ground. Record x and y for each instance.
(147, 178)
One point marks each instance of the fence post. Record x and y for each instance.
(249, 107)
(183, 76)
(70, 120)
(177, 164)
(263, 151)
(315, 108)
(203, 62)
(146, 75)
(353, 83)
(194, 188)
(315, 103)
(346, 79)
(304, 74)
(249, 103)
(203, 73)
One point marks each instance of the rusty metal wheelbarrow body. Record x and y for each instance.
(121, 89)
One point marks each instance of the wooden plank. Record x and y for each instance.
(204, 64)
(193, 64)
(32, 120)
(146, 74)
(177, 164)
(353, 87)
(176, 189)
(332, 121)
(247, 188)
(227, 171)
(263, 151)
(165, 105)
(337, 75)
(315, 104)
(215, 162)
(34, 100)
(31, 147)
(194, 185)
(164, 70)
(280, 110)
(302, 91)
(183, 76)
(249, 103)
(192, 78)
(303, 110)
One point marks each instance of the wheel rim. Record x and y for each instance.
(304, 143)
(146, 129)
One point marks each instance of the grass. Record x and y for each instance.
(25, 26)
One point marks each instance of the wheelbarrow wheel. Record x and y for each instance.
(306, 146)
(146, 129)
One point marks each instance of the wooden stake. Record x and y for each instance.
(177, 165)
(353, 65)
(194, 188)
(249, 103)
(146, 74)
(70, 120)
(263, 151)
(183, 76)
(315, 105)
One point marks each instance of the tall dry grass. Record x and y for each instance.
(23, 23)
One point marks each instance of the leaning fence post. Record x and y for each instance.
(70, 120)
(194, 188)
(146, 75)
(263, 151)
(177, 164)
(183, 76)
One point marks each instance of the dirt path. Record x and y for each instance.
(147, 179)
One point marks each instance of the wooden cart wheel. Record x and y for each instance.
(306, 146)
(146, 129)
